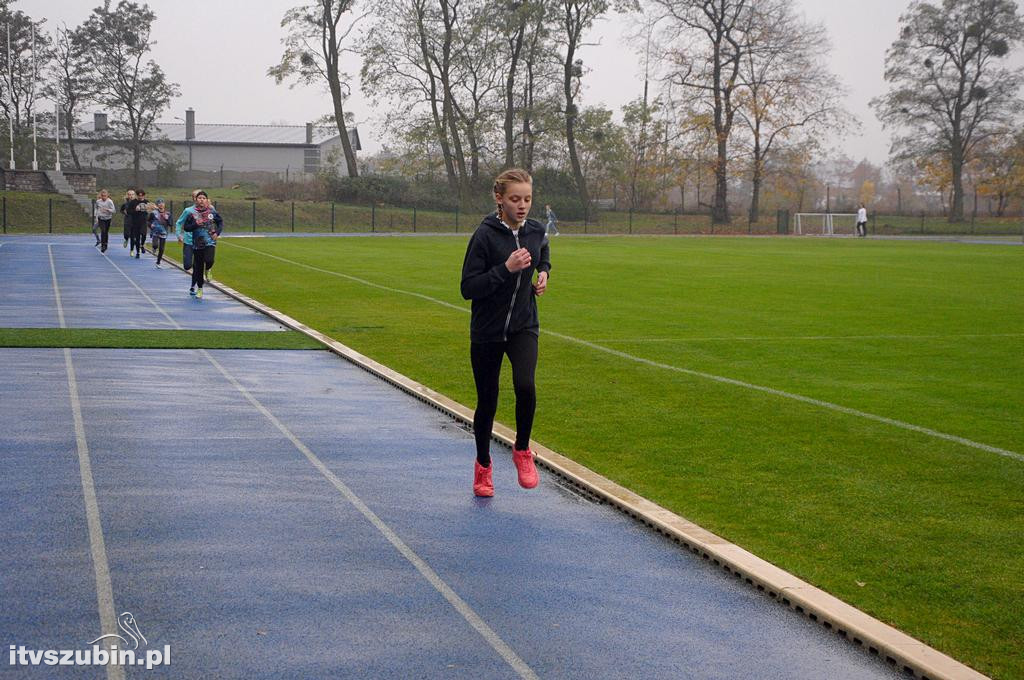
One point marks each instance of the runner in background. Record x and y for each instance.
(128, 197)
(102, 214)
(138, 212)
(159, 223)
(184, 237)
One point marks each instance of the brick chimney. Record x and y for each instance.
(190, 123)
(309, 133)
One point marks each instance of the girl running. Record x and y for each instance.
(205, 225)
(138, 215)
(129, 196)
(184, 237)
(159, 223)
(103, 212)
(501, 258)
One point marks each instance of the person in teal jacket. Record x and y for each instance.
(185, 237)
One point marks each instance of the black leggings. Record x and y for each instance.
(138, 237)
(104, 227)
(158, 247)
(486, 357)
(201, 261)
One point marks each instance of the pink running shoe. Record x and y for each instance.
(524, 466)
(483, 484)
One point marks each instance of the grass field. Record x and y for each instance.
(920, 531)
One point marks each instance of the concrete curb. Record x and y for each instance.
(898, 649)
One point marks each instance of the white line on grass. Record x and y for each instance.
(460, 605)
(700, 374)
(97, 546)
(774, 338)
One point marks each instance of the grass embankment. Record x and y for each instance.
(154, 339)
(32, 212)
(922, 532)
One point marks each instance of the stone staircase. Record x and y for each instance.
(60, 183)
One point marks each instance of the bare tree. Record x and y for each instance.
(949, 88)
(575, 17)
(313, 48)
(704, 43)
(137, 89)
(73, 83)
(397, 62)
(788, 94)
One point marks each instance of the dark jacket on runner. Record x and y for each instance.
(503, 303)
(201, 231)
(136, 217)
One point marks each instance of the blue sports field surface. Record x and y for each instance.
(272, 514)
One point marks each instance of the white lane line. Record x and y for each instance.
(699, 374)
(97, 546)
(144, 294)
(796, 397)
(56, 289)
(460, 605)
(356, 279)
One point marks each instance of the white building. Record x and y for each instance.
(240, 151)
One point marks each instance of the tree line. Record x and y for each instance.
(736, 96)
(741, 90)
(102, 62)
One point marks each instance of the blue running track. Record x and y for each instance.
(284, 514)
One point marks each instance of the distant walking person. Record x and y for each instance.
(497, 274)
(205, 225)
(102, 214)
(129, 196)
(862, 221)
(159, 223)
(552, 227)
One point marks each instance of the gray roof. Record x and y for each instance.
(210, 133)
(246, 134)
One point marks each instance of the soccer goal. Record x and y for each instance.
(826, 224)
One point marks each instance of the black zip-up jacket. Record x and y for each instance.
(503, 303)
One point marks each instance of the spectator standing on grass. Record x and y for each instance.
(862, 221)
(205, 226)
(102, 213)
(129, 196)
(497, 276)
(159, 223)
(551, 227)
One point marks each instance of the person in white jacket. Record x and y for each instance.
(102, 212)
(862, 221)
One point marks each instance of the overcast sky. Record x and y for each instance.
(224, 78)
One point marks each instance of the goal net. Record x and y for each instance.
(826, 224)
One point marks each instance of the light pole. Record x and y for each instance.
(10, 94)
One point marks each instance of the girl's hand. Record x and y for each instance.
(518, 260)
(541, 285)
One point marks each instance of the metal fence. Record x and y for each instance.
(24, 212)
